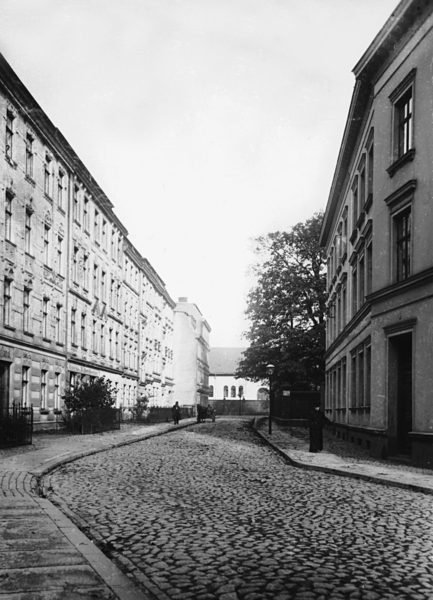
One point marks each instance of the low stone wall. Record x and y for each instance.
(239, 407)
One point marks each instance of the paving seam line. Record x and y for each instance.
(339, 472)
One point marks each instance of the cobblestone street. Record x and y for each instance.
(211, 512)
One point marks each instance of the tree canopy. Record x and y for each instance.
(286, 308)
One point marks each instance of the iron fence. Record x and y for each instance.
(93, 421)
(160, 414)
(16, 425)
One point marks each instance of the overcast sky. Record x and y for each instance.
(206, 122)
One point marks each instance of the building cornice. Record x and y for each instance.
(405, 20)
(401, 287)
(353, 323)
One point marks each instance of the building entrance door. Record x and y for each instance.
(4, 385)
(404, 393)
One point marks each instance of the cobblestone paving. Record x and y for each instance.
(212, 513)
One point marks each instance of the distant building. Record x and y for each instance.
(377, 234)
(191, 354)
(223, 364)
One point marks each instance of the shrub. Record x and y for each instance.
(140, 409)
(90, 395)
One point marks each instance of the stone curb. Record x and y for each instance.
(335, 471)
(52, 464)
(114, 579)
(111, 575)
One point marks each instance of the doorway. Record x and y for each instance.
(400, 385)
(4, 386)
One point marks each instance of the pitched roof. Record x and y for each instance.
(224, 361)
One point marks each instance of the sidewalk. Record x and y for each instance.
(43, 555)
(343, 458)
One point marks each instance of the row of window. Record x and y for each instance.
(55, 184)
(361, 286)
(26, 379)
(52, 182)
(262, 393)
(52, 316)
(400, 205)
(28, 234)
(358, 380)
(81, 216)
(233, 393)
(28, 312)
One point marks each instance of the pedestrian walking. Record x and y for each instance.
(175, 413)
(316, 421)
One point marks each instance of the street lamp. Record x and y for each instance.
(270, 371)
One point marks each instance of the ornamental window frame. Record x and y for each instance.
(403, 119)
(9, 134)
(7, 301)
(400, 204)
(29, 141)
(9, 197)
(48, 168)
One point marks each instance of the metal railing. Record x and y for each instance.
(160, 414)
(16, 425)
(93, 421)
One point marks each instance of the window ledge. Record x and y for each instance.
(353, 236)
(10, 327)
(29, 333)
(46, 339)
(30, 179)
(408, 157)
(48, 197)
(11, 161)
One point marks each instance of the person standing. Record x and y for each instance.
(316, 421)
(175, 413)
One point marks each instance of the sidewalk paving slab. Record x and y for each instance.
(43, 555)
(296, 451)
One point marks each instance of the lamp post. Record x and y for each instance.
(270, 371)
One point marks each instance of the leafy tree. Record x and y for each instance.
(286, 308)
(90, 395)
(139, 410)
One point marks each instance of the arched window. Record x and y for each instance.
(241, 391)
(211, 391)
(263, 394)
(233, 391)
(226, 391)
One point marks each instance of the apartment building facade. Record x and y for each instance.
(376, 231)
(77, 299)
(191, 351)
